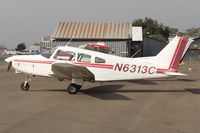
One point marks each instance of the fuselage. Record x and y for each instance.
(105, 67)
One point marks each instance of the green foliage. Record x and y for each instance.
(155, 30)
(159, 37)
(21, 46)
(192, 32)
(36, 44)
(2, 46)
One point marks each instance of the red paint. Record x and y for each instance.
(139, 68)
(78, 63)
(35, 61)
(174, 64)
(126, 68)
(118, 67)
(178, 53)
(96, 45)
(94, 65)
(150, 71)
(135, 68)
(144, 69)
(82, 63)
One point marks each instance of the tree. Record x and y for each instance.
(2, 46)
(192, 32)
(36, 44)
(21, 47)
(155, 30)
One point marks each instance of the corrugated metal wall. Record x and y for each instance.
(195, 44)
(125, 48)
(152, 47)
(120, 48)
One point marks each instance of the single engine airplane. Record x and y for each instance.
(81, 65)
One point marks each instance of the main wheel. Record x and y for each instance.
(60, 79)
(73, 88)
(25, 87)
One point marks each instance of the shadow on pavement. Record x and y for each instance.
(106, 92)
(142, 82)
(156, 81)
(193, 90)
(111, 92)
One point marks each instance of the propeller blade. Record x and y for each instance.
(9, 66)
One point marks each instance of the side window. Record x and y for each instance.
(65, 55)
(99, 60)
(84, 58)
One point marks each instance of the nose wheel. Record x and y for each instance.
(25, 85)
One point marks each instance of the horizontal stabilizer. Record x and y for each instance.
(175, 74)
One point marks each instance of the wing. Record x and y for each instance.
(69, 71)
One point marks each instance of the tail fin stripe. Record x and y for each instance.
(178, 53)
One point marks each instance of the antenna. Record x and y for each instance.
(135, 53)
(70, 41)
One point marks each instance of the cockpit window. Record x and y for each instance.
(99, 60)
(65, 55)
(48, 54)
(84, 58)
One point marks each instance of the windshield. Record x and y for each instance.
(47, 54)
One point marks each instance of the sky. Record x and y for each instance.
(28, 20)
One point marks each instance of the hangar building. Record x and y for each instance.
(195, 46)
(122, 38)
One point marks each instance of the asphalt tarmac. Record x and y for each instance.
(144, 106)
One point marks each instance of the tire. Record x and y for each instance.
(26, 87)
(73, 88)
(60, 79)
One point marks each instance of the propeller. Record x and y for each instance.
(9, 66)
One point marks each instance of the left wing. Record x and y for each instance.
(69, 71)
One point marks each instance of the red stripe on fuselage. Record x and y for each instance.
(35, 61)
(165, 70)
(76, 63)
(94, 65)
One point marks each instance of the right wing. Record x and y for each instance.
(69, 71)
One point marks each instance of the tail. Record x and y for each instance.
(169, 58)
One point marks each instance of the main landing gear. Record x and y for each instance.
(75, 86)
(25, 85)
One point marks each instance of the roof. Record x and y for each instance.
(46, 38)
(92, 30)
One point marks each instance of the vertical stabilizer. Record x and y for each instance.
(169, 58)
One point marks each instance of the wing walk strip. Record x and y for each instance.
(76, 63)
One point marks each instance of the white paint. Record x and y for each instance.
(38, 65)
(137, 34)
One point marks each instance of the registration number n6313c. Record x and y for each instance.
(135, 68)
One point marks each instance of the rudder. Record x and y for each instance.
(169, 58)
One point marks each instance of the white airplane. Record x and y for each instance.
(80, 65)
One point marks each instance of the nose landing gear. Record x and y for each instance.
(25, 85)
